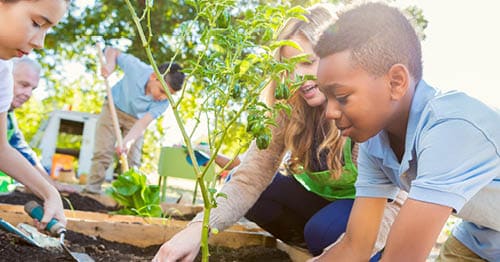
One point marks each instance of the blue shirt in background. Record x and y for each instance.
(17, 141)
(129, 94)
(451, 158)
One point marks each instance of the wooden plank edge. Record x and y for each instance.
(145, 231)
(296, 254)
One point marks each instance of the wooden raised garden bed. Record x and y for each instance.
(110, 237)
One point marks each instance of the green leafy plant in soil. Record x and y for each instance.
(135, 196)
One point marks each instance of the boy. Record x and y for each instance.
(444, 149)
(139, 99)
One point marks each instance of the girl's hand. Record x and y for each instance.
(52, 208)
(184, 246)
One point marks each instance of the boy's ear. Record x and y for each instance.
(399, 79)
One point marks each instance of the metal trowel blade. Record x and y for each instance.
(79, 257)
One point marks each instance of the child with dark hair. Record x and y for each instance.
(139, 98)
(442, 148)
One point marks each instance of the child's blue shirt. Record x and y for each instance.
(129, 94)
(17, 141)
(451, 158)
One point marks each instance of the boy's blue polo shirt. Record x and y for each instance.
(129, 94)
(451, 158)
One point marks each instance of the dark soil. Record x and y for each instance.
(75, 201)
(14, 248)
(70, 201)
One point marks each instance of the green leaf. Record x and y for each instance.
(243, 67)
(132, 193)
(281, 43)
(297, 11)
(223, 195)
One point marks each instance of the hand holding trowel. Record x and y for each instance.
(116, 126)
(56, 229)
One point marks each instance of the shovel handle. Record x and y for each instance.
(35, 211)
(112, 110)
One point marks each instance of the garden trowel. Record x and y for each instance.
(10, 228)
(55, 228)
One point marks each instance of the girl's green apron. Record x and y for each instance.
(322, 184)
(6, 182)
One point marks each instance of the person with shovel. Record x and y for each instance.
(26, 74)
(139, 98)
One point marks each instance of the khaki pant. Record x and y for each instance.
(454, 251)
(104, 147)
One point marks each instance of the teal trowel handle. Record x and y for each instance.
(36, 211)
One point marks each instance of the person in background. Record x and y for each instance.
(23, 26)
(139, 98)
(443, 148)
(223, 161)
(310, 207)
(26, 73)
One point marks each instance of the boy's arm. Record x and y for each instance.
(361, 233)
(110, 54)
(415, 231)
(135, 132)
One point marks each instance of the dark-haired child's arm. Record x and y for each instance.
(361, 233)
(135, 132)
(415, 231)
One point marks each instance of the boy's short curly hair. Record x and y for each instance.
(174, 77)
(378, 36)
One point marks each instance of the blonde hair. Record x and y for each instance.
(307, 128)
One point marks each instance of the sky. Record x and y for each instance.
(462, 46)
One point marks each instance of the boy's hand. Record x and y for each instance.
(121, 150)
(124, 148)
(109, 65)
(106, 70)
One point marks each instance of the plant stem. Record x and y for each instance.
(199, 174)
